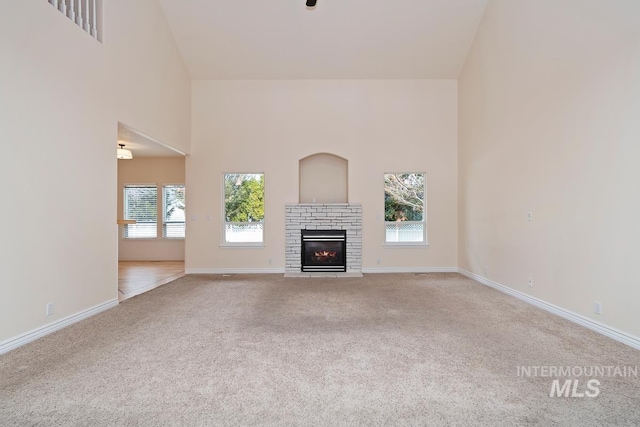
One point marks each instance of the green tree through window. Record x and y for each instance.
(244, 207)
(244, 197)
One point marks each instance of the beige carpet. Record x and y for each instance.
(399, 349)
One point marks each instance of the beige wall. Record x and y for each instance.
(549, 105)
(151, 170)
(323, 178)
(59, 110)
(149, 80)
(59, 230)
(268, 126)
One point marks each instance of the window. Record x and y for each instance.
(405, 208)
(173, 211)
(243, 208)
(141, 204)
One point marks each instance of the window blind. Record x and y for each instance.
(173, 225)
(141, 204)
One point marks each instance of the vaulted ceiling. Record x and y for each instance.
(337, 39)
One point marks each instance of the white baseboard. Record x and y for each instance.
(411, 270)
(603, 329)
(20, 340)
(234, 271)
(281, 270)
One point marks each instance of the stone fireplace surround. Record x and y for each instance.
(323, 216)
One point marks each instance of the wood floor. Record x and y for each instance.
(136, 277)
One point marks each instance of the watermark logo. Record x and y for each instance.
(577, 381)
(569, 390)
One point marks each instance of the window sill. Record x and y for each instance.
(405, 244)
(152, 239)
(243, 245)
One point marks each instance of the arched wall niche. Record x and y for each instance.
(323, 178)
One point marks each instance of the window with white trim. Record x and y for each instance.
(141, 205)
(173, 203)
(405, 207)
(243, 208)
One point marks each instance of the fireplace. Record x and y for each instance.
(346, 217)
(324, 251)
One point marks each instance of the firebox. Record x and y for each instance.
(324, 251)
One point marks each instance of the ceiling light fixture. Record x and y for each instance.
(311, 3)
(124, 154)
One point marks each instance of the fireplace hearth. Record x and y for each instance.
(323, 251)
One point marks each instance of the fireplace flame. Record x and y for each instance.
(325, 254)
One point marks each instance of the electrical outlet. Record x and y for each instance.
(50, 309)
(270, 261)
(529, 216)
(597, 307)
(378, 261)
(530, 282)
(486, 270)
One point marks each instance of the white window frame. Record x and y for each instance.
(225, 224)
(124, 211)
(405, 243)
(164, 214)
